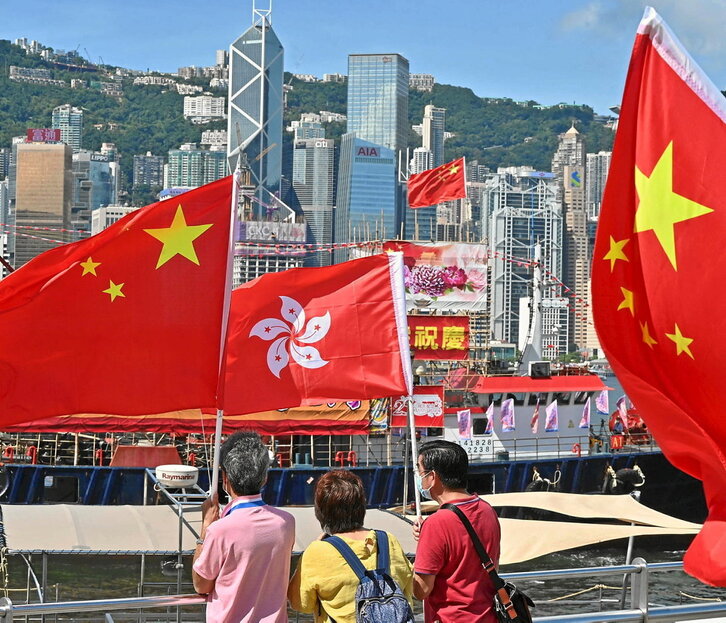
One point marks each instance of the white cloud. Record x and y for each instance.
(698, 23)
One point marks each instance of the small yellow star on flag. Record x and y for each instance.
(627, 302)
(114, 290)
(647, 337)
(178, 239)
(89, 267)
(616, 252)
(660, 208)
(682, 342)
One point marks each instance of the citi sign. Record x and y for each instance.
(371, 152)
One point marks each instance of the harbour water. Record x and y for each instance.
(97, 577)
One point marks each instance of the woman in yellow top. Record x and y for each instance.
(323, 583)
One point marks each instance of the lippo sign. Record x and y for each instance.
(439, 337)
(42, 135)
(428, 408)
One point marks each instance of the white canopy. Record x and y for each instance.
(80, 529)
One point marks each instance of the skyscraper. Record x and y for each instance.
(378, 99)
(256, 105)
(43, 196)
(148, 170)
(520, 210)
(420, 223)
(192, 167)
(94, 185)
(4, 162)
(433, 127)
(568, 164)
(422, 160)
(69, 120)
(597, 173)
(366, 198)
(313, 178)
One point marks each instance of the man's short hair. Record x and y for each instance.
(340, 501)
(448, 459)
(245, 460)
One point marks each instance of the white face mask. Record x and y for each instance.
(418, 480)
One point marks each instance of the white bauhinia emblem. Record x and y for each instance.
(295, 339)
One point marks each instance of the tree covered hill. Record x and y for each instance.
(497, 132)
(149, 118)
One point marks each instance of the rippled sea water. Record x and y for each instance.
(104, 577)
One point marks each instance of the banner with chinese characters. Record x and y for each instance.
(444, 276)
(428, 408)
(439, 337)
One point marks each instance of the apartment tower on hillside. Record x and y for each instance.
(569, 167)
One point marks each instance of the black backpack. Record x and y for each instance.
(378, 599)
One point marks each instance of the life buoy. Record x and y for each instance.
(577, 449)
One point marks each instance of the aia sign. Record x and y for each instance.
(371, 152)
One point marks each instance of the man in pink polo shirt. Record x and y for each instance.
(242, 559)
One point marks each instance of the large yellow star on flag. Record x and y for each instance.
(178, 239)
(660, 208)
(682, 342)
(114, 290)
(627, 302)
(616, 252)
(89, 267)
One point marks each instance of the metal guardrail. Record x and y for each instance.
(639, 611)
(10, 612)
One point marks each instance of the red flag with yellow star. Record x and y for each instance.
(658, 263)
(129, 321)
(444, 183)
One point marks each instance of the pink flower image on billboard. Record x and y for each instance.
(442, 275)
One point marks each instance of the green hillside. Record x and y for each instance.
(492, 131)
(149, 118)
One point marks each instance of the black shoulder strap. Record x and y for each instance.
(486, 560)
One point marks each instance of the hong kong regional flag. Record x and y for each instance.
(444, 183)
(129, 321)
(658, 266)
(316, 335)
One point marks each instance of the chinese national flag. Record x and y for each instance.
(127, 322)
(315, 335)
(444, 183)
(658, 266)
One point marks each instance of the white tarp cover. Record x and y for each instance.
(80, 529)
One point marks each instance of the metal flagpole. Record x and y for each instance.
(236, 183)
(414, 455)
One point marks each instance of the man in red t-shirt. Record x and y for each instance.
(449, 575)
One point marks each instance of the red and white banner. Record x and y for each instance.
(428, 408)
(439, 337)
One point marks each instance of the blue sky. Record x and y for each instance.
(546, 50)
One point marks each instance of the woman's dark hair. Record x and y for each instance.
(448, 459)
(340, 501)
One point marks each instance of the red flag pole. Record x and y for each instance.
(225, 317)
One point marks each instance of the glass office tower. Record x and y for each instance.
(378, 99)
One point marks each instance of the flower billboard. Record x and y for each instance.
(443, 276)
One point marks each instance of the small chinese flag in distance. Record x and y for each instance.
(127, 322)
(315, 335)
(658, 267)
(444, 183)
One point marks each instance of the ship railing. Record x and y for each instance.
(640, 609)
(568, 446)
